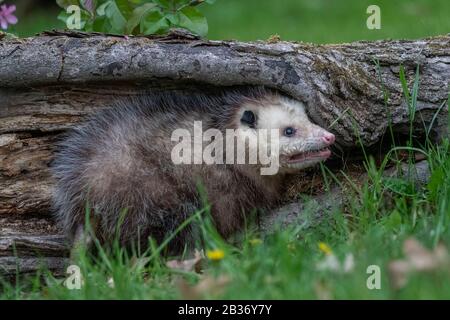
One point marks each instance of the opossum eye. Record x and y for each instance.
(249, 118)
(289, 131)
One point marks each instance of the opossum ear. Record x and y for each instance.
(249, 118)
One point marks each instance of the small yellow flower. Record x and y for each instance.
(255, 242)
(325, 248)
(215, 255)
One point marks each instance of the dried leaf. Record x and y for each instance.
(189, 265)
(398, 271)
(323, 292)
(208, 286)
(417, 259)
(420, 257)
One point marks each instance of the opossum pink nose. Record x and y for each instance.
(328, 138)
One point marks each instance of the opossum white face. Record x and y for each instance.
(301, 143)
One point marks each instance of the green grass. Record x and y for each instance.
(318, 21)
(283, 266)
(323, 21)
(378, 217)
(372, 227)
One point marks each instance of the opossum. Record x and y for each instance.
(118, 166)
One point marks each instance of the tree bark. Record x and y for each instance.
(50, 82)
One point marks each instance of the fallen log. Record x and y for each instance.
(50, 82)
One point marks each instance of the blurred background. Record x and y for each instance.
(318, 21)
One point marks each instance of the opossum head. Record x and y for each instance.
(301, 143)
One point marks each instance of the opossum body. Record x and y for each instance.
(118, 164)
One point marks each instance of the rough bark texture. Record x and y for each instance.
(51, 82)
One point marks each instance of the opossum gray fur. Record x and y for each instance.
(120, 159)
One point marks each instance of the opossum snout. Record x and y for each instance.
(328, 138)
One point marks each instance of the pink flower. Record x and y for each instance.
(6, 16)
(89, 5)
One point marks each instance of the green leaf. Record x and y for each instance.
(114, 15)
(399, 186)
(101, 10)
(137, 15)
(154, 22)
(176, 4)
(101, 24)
(88, 25)
(152, 16)
(192, 19)
(174, 18)
(436, 181)
(198, 2)
(163, 3)
(394, 220)
(65, 3)
(125, 8)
